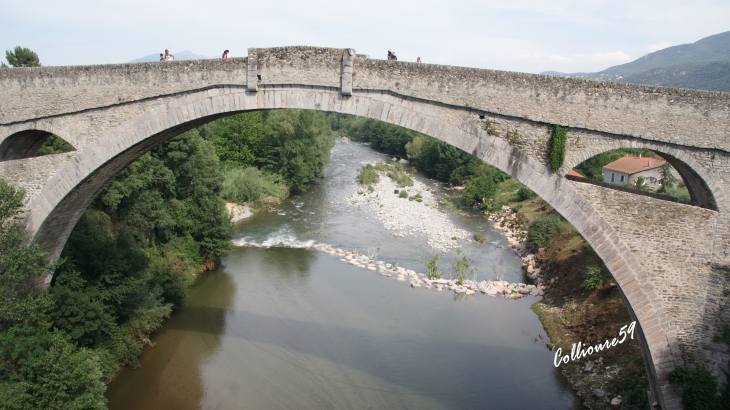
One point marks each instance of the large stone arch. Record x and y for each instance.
(54, 210)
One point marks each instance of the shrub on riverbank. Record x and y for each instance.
(595, 276)
(251, 185)
(368, 175)
(541, 229)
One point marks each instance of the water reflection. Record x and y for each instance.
(169, 375)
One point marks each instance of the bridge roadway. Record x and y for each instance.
(661, 254)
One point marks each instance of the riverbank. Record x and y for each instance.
(571, 313)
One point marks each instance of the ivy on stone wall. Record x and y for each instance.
(557, 147)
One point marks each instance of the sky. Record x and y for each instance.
(515, 35)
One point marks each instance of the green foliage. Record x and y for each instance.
(701, 392)
(382, 136)
(558, 140)
(39, 368)
(593, 167)
(462, 267)
(479, 237)
(401, 178)
(667, 179)
(54, 145)
(594, 277)
(237, 138)
(21, 267)
(368, 175)
(254, 186)
(524, 194)
(431, 264)
(641, 184)
(403, 194)
(541, 229)
(297, 145)
(42, 370)
(633, 391)
(22, 57)
(479, 190)
(417, 197)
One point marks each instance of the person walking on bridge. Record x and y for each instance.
(391, 55)
(225, 54)
(169, 56)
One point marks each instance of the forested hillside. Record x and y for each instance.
(129, 260)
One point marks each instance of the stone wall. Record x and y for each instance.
(35, 92)
(671, 240)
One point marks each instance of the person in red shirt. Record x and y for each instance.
(225, 54)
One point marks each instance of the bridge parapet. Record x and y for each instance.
(29, 94)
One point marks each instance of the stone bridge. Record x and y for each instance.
(661, 254)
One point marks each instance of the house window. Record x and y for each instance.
(622, 178)
(613, 177)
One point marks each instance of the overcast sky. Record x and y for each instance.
(516, 35)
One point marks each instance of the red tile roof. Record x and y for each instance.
(575, 174)
(631, 165)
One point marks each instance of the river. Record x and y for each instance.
(286, 327)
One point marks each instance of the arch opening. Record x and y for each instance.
(32, 143)
(647, 172)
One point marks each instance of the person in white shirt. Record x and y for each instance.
(169, 56)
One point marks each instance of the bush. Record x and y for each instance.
(633, 389)
(417, 197)
(524, 193)
(403, 194)
(557, 147)
(479, 237)
(431, 263)
(701, 393)
(252, 185)
(541, 229)
(368, 175)
(594, 277)
(479, 190)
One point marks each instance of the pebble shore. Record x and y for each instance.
(405, 217)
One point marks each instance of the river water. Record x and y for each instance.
(286, 327)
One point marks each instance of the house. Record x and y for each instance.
(575, 173)
(625, 170)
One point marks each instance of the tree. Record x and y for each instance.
(237, 138)
(640, 184)
(667, 180)
(22, 57)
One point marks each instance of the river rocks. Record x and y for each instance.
(589, 366)
(598, 394)
(404, 217)
(616, 401)
(237, 212)
(469, 287)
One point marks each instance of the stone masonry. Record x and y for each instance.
(661, 254)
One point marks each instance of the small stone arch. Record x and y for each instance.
(23, 144)
(56, 208)
(693, 174)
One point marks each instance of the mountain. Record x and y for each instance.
(703, 65)
(183, 55)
